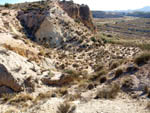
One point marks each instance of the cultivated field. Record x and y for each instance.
(129, 31)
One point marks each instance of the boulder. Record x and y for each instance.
(7, 79)
(31, 20)
(15, 69)
(57, 80)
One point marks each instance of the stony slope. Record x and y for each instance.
(73, 68)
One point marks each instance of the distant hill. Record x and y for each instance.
(144, 9)
(142, 12)
(103, 14)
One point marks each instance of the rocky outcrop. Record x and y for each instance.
(14, 70)
(57, 80)
(31, 20)
(79, 13)
(7, 79)
(53, 27)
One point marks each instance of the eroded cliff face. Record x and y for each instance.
(53, 26)
(80, 13)
(31, 17)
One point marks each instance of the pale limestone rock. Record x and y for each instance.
(14, 70)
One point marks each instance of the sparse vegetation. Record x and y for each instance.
(6, 97)
(82, 64)
(74, 97)
(97, 75)
(66, 108)
(109, 92)
(20, 98)
(142, 58)
(93, 39)
(74, 74)
(62, 91)
(23, 52)
(98, 67)
(114, 65)
(103, 79)
(127, 84)
(146, 90)
(118, 72)
(41, 96)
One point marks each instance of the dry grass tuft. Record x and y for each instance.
(42, 96)
(20, 98)
(74, 97)
(6, 97)
(23, 52)
(66, 108)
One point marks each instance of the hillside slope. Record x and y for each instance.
(50, 62)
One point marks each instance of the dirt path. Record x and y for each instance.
(112, 106)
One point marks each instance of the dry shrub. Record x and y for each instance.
(97, 75)
(6, 97)
(114, 65)
(66, 108)
(42, 96)
(142, 58)
(103, 79)
(127, 84)
(109, 92)
(61, 91)
(17, 99)
(21, 98)
(72, 72)
(73, 75)
(98, 67)
(23, 52)
(146, 89)
(118, 72)
(74, 97)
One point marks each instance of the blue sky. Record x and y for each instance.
(102, 4)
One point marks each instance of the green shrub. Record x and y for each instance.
(7, 5)
(93, 39)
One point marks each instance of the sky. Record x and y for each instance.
(102, 4)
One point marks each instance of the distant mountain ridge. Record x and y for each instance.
(144, 9)
(142, 12)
